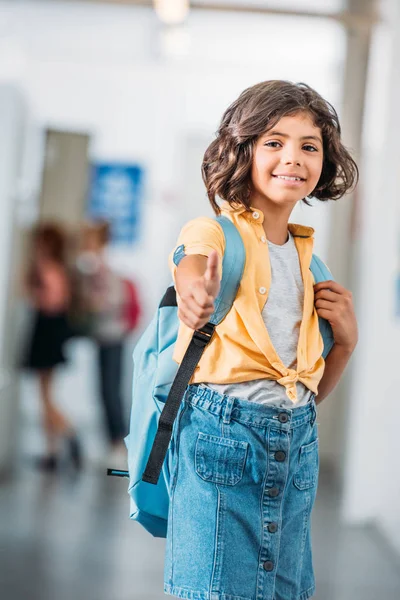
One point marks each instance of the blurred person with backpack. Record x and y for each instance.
(110, 305)
(47, 286)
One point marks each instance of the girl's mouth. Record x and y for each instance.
(289, 177)
(292, 180)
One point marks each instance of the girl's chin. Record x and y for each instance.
(291, 196)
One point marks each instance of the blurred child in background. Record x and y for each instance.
(48, 288)
(104, 294)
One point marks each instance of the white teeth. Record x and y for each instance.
(288, 178)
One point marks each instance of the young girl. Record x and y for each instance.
(245, 445)
(48, 288)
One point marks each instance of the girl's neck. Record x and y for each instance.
(276, 219)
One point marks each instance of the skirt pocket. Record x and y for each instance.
(306, 475)
(220, 460)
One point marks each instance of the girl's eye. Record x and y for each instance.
(310, 148)
(272, 144)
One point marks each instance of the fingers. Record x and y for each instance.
(325, 314)
(329, 295)
(199, 310)
(196, 304)
(199, 293)
(196, 307)
(326, 294)
(193, 318)
(324, 304)
(334, 311)
(211, 273)
(331, 285)
(190, 321)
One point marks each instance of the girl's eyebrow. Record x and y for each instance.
(304, 137)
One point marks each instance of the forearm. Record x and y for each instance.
(335, 364)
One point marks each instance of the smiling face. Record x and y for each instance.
(287, 162)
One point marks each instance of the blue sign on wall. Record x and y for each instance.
(116, 194)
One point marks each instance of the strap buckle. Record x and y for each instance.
(202, 337)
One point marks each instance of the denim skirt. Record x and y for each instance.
(243, 483)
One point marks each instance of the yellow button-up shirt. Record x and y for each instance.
(241, 349)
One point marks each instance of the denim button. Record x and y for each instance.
(268, 565)
(283, 418)
(273, 527)
(273, 492)
(280, 456)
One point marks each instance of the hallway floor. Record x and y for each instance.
(66, 537)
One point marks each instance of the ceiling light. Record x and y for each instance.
(171, 12)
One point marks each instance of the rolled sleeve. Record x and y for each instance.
(199, 236)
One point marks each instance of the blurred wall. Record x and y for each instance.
(12, 127)
(372, 475)
(155, 98)
(113, 72)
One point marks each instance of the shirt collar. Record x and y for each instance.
(296, 230)
(302, 231)
(236, 208)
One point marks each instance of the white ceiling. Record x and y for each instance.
(327, 6)
(319, 6)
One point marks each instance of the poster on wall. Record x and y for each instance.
(116, 195)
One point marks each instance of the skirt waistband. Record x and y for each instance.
(250, 413)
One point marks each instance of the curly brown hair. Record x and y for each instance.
(227, 161)
(100, 230)
(53, 237)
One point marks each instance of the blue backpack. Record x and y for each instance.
(159, 385)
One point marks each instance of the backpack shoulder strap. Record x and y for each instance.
(321, 273)
(319, 269)
(232, 270)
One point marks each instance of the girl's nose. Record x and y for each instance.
(291, 155)
(292, 160)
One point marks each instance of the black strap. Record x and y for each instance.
(169, 298)
(184, 374)
(117, 473)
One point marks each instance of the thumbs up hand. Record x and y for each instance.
(196, 302)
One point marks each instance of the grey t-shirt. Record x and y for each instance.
(282, 315)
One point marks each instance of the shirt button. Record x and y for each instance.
(256, 215)
(262, 290)
(280, 456)
(273, 527)
(273, 492)
(268, 565)
(263, 239)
